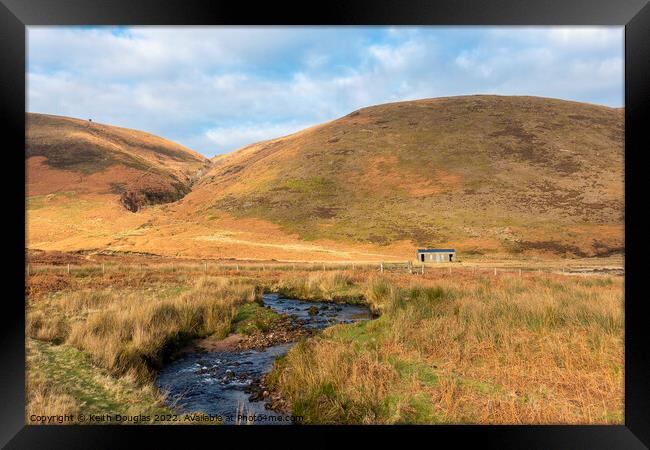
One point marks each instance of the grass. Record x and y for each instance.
(446, 348)
(317, 186)
(468, 350)
(132, 331)
(337, 286)
(63, 380)
(490, 174)
(95, 341)
(42, 201)
(251, 317)
(76, 145)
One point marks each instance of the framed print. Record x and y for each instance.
(410, 217)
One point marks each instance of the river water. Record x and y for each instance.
(216, 383)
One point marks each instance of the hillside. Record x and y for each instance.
(484, 174)
(488, 175)
(73, 157)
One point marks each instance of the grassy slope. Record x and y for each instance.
(500, 176)
(80, 173)
(482, 173)
(66, 154)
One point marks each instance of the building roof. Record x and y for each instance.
(436, 250)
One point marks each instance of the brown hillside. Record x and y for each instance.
(482, 173)
(76, 157)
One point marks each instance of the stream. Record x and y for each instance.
(218, 383)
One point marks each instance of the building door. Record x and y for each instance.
(422, 257)
(450, 256)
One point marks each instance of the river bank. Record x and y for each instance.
(226, 377)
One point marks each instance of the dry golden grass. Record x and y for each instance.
(46, 398)
(61, 380)
(536, 349)
(460, 347)
(132, 330)
(88, 147)
(334, 285)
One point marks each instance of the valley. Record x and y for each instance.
(162, 286)
(506, 177)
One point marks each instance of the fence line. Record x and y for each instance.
(205, 267)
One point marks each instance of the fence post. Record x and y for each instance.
(422, 268)
(381, 267)
(68, 268)
(205, 266)
(450, 270)
(27, 269)
(495, 271)
(519, 272)
(102, 268)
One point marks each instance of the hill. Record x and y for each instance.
(484, 174)
(77, 157)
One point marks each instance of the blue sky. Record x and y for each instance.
(215, 89)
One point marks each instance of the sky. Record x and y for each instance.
(216, 89)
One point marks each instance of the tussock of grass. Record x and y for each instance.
(251, 317)
(333, 286)
(379, 292)
(134, 331)
(47, 326)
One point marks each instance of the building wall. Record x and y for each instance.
(436, 257)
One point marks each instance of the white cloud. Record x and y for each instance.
(401, 57)
(249, 84)
(241, 135)
(586, 37)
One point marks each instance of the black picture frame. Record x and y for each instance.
(15, 15)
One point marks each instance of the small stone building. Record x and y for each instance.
(436, 254)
